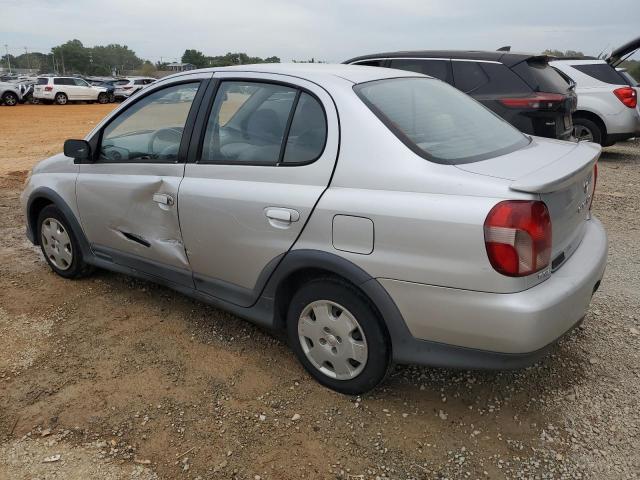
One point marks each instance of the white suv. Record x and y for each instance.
(608, 109)
(63, 90)
(128, 86)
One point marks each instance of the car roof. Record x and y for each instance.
(507, 58)
(316, 72)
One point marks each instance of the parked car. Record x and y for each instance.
(62, 90)
(128, 86)
(10, 94)
(521, 88)
(608, 109)
(109, 84)
(375, 216)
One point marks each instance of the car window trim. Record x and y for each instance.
(186, 132)
(195, 152)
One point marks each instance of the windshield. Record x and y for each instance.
(439, 122)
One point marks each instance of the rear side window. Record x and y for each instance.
(371, 63)
(482, 78)
(308, 132)
(139, 82)
(439, 122)
(440, 69)
(250, 120)
(43, 81)
(469, 76)
(540, 76)
(63, 81)
(602, 72)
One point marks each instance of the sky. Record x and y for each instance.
(333, 30)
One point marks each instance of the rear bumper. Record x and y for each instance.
(469, 329)
(625, 122)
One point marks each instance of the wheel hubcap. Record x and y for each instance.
(56, 243)
(332, 340)
(62, 99)
(583, 133)
(10, 100)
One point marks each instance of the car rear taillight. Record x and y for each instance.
(48, 88)
(539, 101)
(627, 95)
(517, 236)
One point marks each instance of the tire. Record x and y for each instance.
(344, 347)
(59, 244)
(112, 98)
(587, 130)
(103, 98)
(10, 99)
(61, 98)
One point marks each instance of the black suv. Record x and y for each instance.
(521, 88)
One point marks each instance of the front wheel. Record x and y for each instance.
(10, 99)
(61, 99)
(338, 336)
(103, 98)
(59, 244)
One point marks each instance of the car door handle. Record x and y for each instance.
(163, 198)
(285, 215)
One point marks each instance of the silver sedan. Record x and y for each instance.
(376, 216)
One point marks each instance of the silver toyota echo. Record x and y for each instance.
(376, 216)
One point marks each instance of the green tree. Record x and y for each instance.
(194, 57)
(560, 53)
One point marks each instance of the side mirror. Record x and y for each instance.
(79, 150)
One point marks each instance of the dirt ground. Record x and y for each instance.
(110, 377)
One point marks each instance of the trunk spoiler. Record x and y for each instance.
(561, 173)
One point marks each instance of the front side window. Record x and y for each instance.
(80, 83)
(438, 122)
(150, 131)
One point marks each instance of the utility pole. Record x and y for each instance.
(26, 52)
(6, 47)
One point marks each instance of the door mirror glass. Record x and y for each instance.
(79, 150)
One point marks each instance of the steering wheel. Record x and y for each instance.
(170, 134)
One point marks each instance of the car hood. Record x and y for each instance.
(617, 55)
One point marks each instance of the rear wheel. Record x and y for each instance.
(61, 98)
(338, 336)
(586, 130)
(59, 244)
(10, 99)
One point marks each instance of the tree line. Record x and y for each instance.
(73, 57)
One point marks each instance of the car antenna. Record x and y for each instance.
(506, 48)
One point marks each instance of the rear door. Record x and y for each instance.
(266, 151)
(128, 195)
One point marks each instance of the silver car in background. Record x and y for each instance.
(376, 216)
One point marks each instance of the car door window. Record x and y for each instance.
(308, 132)
(151, 129)
(247, 123)
(80, 83)
(440, 69)
(468, 76)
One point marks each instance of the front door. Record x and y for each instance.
(266, 153)
(128, 196)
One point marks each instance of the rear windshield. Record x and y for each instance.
(602, 72)
(439, 122)
(43, 81)
(540, 76)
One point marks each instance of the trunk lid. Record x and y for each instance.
(561, 174)
(618, 55)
